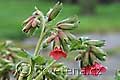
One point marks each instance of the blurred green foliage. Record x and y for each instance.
(13, 12)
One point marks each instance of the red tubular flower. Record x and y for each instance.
(57, 53)
(94, 70)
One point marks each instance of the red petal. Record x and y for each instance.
(94, 70)
(86, 70)
(103, 69)
(57, 53)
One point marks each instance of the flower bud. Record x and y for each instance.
(52, 13)
(28, 26)
(32, 22)
(49, 40)
(57, 41)
(78, 57)
(62, 36)
(99, 53)
(68, 26)
(35, 23)
(70, 20)
(63, 40)
(86, 59)
(32, 30)
(97, 43)
(92, 58)
(28, 19)
(70, 36)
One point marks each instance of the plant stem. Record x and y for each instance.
(20, 78)
(41, 36)
(44, 71)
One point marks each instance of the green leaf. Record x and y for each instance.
(54, 76)
(58, 65)
(51, 75)
(39, 60)
(4, 61)
(23, 54)
(77, 45)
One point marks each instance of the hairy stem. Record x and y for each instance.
(41, 36)
(37, 49)
(44, 71)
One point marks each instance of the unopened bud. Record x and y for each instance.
(97, 43)
(37, 12)
(32, 22)
(78, 57)
(68, 26)
(99, 53)
(35, 23)
(28, 26)
(86, 59)
(92, 58)
(70, 20)
(52, 13)
(62, 36)
(28, 19)
(49, 40)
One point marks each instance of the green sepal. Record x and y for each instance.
(92, 58)
(64, 45)
(31, 32)
(99, 53)
(78, 57)
(52, 13)
(86, 59)
(70, 20)
(97, 43)
(68, 26)
(23, 54)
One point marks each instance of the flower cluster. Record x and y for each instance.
(63, 41)
(32, 22)
(60, 37)
(95, 69)
(90, 52)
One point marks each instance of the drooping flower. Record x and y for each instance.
(95, 69)
(57, 52)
